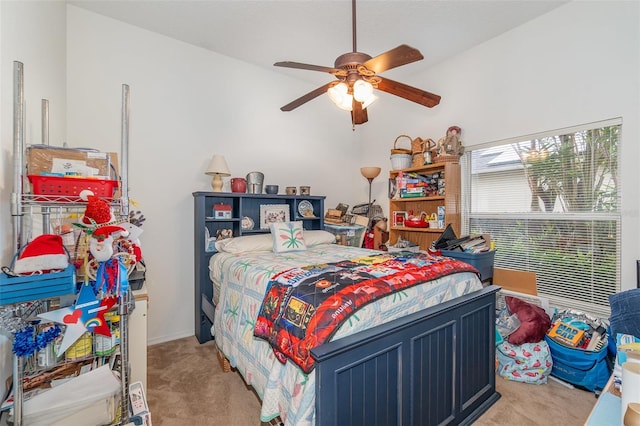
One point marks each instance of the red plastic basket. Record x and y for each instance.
(55, 186)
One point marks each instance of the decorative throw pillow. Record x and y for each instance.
(317, 237)
(287, 236)
(534, 321)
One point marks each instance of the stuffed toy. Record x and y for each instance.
(101, 241)
(451, 143)
(108, 236)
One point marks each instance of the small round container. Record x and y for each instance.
(271, 189)
(401, 161)
(305, 190)
(291, 190)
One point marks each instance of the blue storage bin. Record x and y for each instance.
(483, 262)
(32, 287)
(586, 369)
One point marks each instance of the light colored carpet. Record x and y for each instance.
(186, 386)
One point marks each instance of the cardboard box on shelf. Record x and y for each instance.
(86, 163)
(48, 159)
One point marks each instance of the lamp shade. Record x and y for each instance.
(370, 172)
(339, 95)
(218, 166)
(362, 90)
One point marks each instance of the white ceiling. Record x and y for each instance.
(317, 31)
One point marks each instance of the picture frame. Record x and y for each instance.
(399, 217)
(272, 213)
(343, 208)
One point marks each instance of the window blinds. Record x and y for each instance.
(551, 203)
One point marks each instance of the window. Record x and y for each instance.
(551, 203)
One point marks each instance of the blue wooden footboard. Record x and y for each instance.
(436, 366)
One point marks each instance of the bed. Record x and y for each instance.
(424, 355)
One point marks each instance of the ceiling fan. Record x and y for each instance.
(357, 76)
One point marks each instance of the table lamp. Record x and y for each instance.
(217, 168)
(370, 173)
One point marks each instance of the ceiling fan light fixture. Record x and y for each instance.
(371, 99)
(358, 74)
(346, 103)
(339, 95)
(362, 90)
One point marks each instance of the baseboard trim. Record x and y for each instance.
(168, 338)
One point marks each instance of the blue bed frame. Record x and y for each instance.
(436, 366)
(433, 367)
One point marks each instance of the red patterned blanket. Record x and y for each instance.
(303, 307)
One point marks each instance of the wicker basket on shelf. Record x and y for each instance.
(396, 150)
(400, 161)
(418, 159)
(422, 151)
(418, 145)
(446, 158)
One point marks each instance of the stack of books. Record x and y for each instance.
(413, 185)
(469, 244)
(475, 244)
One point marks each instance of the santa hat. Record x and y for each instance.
(98, 211)
(44, 253)
(105, 232)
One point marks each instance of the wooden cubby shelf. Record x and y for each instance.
(450, 200)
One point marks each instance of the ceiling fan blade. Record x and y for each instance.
(301, 66)
(358, 114)
(306, 98)
(409, 93)
(393, 58)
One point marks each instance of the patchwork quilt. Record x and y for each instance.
(285, 390)
(303, 307)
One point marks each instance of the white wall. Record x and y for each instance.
(187, 104)
(33, 33)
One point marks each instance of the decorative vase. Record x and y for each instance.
(238, 185)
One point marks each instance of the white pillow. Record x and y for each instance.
(244, 244)
(317, 237)
(264, 242)
(287, 236)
